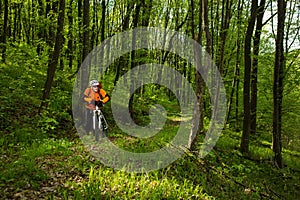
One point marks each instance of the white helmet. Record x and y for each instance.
(94, 83)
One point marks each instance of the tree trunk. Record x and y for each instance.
(41, 29)
(209, 51)
(14, 20)
(235, 75)
(52, 64)
(94, 25)
(125, 25)
(235, 81)
(164, 53)
(79, 42)
(33, 21)
(226, 16)
(85, 72)
(70, 35)
(28, 24)
(278, 85)
(256, 43)
(1, 7)
(247, 75)
(146, 12)
(193, 137)
(133, 54)
(4, 35)
(86, 28)
(237, 124)
(19, 35)
(103, 20)
(50, 6)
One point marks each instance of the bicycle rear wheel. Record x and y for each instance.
(104, 128)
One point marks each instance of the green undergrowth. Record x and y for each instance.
(42, 156)
(67, 170)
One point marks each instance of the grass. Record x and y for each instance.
(62, 168)
(43, 158)
(107, 184)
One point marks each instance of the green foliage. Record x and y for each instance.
(40, 152)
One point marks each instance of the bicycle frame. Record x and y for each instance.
(98, 120)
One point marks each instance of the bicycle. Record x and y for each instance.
(100, 125)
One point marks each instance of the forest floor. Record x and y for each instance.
(64, 169)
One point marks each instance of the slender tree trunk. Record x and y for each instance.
(28, 25)
(33, 21)
(256, 43)
(85, 72)
(232, 89)
(103, 21)
(193, 137)
(41, 29)
(1, 8)
(79, 42)
(147, 7)
(4, 34)
(226, 16)
(237, 124)
(19, 28)
(278, 85)
(51, 6)
(247, 74)
(164, 53)
(14, 19)
(235, 81)
(237, 65)
(125, 60)
(133, 55)
(52, 64)
(86, 28)
(129, 9)
(208, 50)
(47, 26)
(125, 26)
(93, 26)
(70, 35)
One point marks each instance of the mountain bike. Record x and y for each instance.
(100, 125)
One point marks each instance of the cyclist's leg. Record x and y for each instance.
(88, 121)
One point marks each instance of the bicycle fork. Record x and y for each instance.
(96, 117)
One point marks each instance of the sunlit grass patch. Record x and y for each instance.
(107, 183)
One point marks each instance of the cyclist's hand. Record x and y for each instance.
(99, 103)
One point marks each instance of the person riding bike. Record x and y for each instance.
(94, 96)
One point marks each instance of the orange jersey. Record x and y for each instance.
(90, 95)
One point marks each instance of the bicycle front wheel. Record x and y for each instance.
(98, 130)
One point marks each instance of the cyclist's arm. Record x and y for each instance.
(105, 96)
(86, 96)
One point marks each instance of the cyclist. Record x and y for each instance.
(94, 96)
